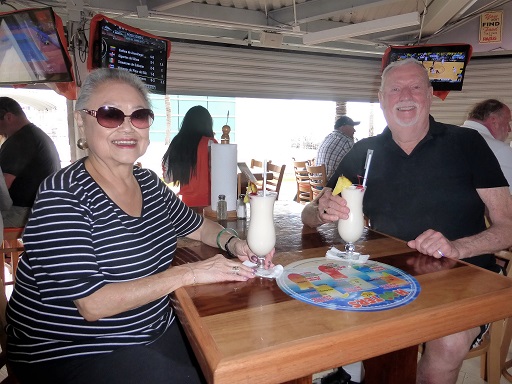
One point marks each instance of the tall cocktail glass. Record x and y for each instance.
(261, 235)
(352, 228)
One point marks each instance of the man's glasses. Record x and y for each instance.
(111, 117)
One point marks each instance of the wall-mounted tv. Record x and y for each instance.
(445, 64)
(117, 45)
(32, 49)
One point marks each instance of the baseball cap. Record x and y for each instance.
(345, 120)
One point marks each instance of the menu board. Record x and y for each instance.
(347, 286)
(141, 54)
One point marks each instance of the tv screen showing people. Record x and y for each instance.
(30, 48)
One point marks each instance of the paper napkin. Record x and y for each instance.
(336, 254)
(276, 271)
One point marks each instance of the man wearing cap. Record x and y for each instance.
(336, 144)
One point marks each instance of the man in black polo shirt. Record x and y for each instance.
(27, 157)
(429, 184)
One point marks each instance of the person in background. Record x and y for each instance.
(429, 184)
(91, 300)
(491, 118)
(336, 144)
(186, 161)
(5, 202)
(27, 156)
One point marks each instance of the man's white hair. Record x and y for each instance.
(400, 63)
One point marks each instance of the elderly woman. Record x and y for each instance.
(91, 302)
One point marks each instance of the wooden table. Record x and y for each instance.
(252, 332)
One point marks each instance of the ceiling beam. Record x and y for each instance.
(164, 5)
(322, 9)
(364, 28)
(439, 12)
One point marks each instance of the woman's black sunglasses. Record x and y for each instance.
(111, 117)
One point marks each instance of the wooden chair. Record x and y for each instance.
(257, 167)
(317, 179)
(494, 347)
(10, 379)
(302, 179)
(11, 250)
(274, 184)
(506, 257)
(258, 164)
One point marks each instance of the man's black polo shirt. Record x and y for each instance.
(432, 188)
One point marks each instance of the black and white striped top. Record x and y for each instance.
(77, 240)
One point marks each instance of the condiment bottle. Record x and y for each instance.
(222, 208)
(241, 208)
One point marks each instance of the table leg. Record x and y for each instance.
(396, 367)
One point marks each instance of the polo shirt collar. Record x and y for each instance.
(433, 131)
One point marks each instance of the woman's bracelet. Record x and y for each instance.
(231, 255)
(230, 230)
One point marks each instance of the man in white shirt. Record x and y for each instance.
(491, 118)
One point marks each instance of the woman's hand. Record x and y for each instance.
(241, 249)
(217, 269)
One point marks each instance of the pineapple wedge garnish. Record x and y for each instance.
(341, 184)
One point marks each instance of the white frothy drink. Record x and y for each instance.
(261, 235)
(351, 229)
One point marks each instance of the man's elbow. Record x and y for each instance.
(309, 216)
(87, 312)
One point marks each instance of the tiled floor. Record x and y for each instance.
(469, 374)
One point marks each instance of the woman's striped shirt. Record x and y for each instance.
(77, 240)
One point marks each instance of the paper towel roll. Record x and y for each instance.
(224, 174)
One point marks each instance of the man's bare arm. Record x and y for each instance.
(326, 208)
(498, 236)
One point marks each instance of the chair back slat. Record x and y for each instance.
(302, 179)
(274, 184)
(317, 178)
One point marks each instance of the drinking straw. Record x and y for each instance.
(369, 155)
(264, 177)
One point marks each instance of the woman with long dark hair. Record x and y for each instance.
(186, 161)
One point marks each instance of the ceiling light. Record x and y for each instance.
(364, 28)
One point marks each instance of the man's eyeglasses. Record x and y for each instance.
(111, 117)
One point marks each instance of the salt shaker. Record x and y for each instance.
(222, 208)
(241, 208)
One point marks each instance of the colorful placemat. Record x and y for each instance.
(345, 286)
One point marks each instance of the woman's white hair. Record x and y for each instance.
(100, 76)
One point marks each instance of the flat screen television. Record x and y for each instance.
(117, 45)
(445, 64)
(32, 49)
